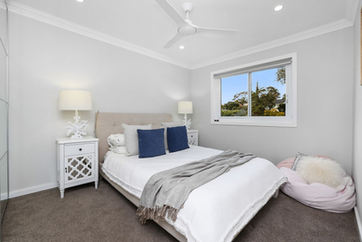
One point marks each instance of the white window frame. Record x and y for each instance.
(290, 120)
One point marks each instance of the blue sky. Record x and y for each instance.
(235, 84)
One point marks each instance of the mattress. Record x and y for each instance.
(215, 211)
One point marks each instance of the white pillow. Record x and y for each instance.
(116, 143)
(131, 137)
(166, 125)
(119, 150)
(320, 170)
(172, 124)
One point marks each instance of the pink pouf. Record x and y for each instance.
(287, 163)
(338, 200)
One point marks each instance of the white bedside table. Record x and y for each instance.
(193, 137)
(77, 162)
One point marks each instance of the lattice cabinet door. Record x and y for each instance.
(77, 162)
(79, 167)
(193, 137)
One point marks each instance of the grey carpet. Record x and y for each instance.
(86, 214)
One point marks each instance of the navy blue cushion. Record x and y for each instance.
(177, 138)
(151, 142)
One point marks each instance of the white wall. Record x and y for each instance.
(357, 159)
(325, 104)
(44, 60)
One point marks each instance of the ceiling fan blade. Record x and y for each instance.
(165, 5)
(205, 29)
(172, 41)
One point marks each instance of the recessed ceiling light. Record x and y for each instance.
(181, 47)
(277, 8)
(80, 1)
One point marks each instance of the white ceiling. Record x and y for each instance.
(144, 23)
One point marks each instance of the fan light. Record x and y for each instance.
(278, 8)
(80, 1)
(184, 23)
(181, 47)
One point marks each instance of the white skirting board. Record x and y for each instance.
(29, 190)
(359, 224)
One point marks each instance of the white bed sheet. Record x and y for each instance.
(216, 211)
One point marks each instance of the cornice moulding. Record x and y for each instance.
(311, 33)
(87, 32)
(43, 17)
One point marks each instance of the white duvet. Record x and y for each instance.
(216, 211)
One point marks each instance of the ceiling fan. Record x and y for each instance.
(185, 25)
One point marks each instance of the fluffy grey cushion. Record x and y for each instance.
(131, 137)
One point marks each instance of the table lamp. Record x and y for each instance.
(185, 107)
(76, 100)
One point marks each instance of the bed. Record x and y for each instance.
(215, 211)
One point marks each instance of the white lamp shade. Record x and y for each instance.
(75, 100)
(185, 107)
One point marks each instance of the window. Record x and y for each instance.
(262, 93)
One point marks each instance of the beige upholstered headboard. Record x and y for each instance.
(111, 123)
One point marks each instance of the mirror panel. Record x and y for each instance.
(3, 183)
(3, 128)
(3, 23)
(3, 75)
(4, 159)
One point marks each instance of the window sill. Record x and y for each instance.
(260, 121)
